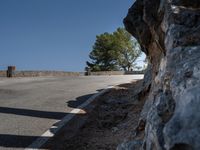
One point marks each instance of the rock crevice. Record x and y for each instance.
(169, 34)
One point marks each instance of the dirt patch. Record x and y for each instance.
(114, 118)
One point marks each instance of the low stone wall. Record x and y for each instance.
(115, 73)
(62, 73)
(3, 74)
(44, 73)
(134, 72)
(40, 73)
(98, 73)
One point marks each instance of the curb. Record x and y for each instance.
(40, 141)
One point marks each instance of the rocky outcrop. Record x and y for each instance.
(169, 33)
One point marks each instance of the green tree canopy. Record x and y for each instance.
(114, 51)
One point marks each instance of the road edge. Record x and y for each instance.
(40, 141)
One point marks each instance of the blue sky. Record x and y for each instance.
(55, 34)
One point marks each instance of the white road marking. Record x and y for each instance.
(54, 129)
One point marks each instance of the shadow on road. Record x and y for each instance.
(22, 141)
(16, 141)
(32, 113)
(79, 100)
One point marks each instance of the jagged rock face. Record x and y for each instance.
(169, 32)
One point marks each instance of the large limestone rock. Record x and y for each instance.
(169, 32)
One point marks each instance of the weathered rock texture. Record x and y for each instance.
(169, 32)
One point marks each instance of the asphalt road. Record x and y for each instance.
(30, 106)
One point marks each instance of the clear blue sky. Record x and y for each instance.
(55, 34)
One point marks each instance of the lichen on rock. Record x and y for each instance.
(169, 34)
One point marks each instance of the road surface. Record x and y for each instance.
(30, 106)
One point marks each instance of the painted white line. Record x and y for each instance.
(54, 129)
